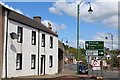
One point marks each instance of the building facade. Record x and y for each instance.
(27, 46)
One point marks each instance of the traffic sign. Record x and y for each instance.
(100, 52)
(96, 65)
(94, 45)
(94, 48)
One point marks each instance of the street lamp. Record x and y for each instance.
(78, 25)
(112, 46)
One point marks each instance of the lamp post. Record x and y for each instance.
(111, 45)
(78, 27)
(78, 24)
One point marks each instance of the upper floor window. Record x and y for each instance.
(43, 40)
(51, 42)
(33, 38)
(20, 34)
(19, 61)
(33, 58)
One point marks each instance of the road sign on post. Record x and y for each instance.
(95, 45)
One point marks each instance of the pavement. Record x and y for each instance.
(64, 73)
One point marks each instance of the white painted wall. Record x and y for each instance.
(26, 48)
(47, 51)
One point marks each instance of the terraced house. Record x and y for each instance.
(27, 46)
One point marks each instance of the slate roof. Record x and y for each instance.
(28, 21)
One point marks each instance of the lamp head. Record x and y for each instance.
(106, 37)
(90, 10)
(13, 35)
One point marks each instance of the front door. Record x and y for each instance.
(42, 71)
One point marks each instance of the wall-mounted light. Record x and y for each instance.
(13, 35)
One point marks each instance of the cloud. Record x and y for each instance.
(103, 11)
(111, 21)
(108, 42)
(11, 8)
(55, 11)
(56, 27)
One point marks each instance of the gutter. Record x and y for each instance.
(6, 46)
(38, 50)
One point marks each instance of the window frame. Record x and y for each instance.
(51, 42)
(20, 30)
(33, 35)
(50, 61)
(33, 61)
(19, 61)
(43, 40)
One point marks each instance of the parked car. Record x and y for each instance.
(83, 69)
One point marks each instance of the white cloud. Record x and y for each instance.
(103, 11)
(108, 42)
(11, 8)
(56, 27)
(55, 11)
(111, 21)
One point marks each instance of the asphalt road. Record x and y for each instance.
(106, 74)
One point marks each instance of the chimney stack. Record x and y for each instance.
(37, 18)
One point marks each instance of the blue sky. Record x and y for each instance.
(63, 17)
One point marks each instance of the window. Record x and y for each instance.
(50, 61)
(51, 42)
(20, 34)
(33, 58)
(19, 62)
(33, 38)
(43, 40)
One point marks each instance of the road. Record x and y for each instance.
(106, 74)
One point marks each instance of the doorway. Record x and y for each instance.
(42, 70)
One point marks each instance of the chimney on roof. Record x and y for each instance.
(37, 18)
(50, 25)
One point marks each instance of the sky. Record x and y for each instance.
(63, 17)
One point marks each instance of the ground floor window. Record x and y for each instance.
(50, 61)
(33, 58)
(19, 61)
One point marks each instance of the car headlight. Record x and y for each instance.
(86, 70)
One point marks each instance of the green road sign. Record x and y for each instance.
(100, 52)
(94, 45)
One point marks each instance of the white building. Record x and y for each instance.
(33, 52)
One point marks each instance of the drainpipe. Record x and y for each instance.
(38, 50)
(6, 45)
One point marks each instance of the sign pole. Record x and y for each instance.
(101, 65)
(88, 66)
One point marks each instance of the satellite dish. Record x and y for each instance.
(13, 35)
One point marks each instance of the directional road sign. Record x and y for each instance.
(94, 48)
(94, 45)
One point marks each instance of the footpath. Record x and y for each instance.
(64, 73)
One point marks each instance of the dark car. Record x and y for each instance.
(83, 69)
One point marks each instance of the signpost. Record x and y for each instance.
(95, 48)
